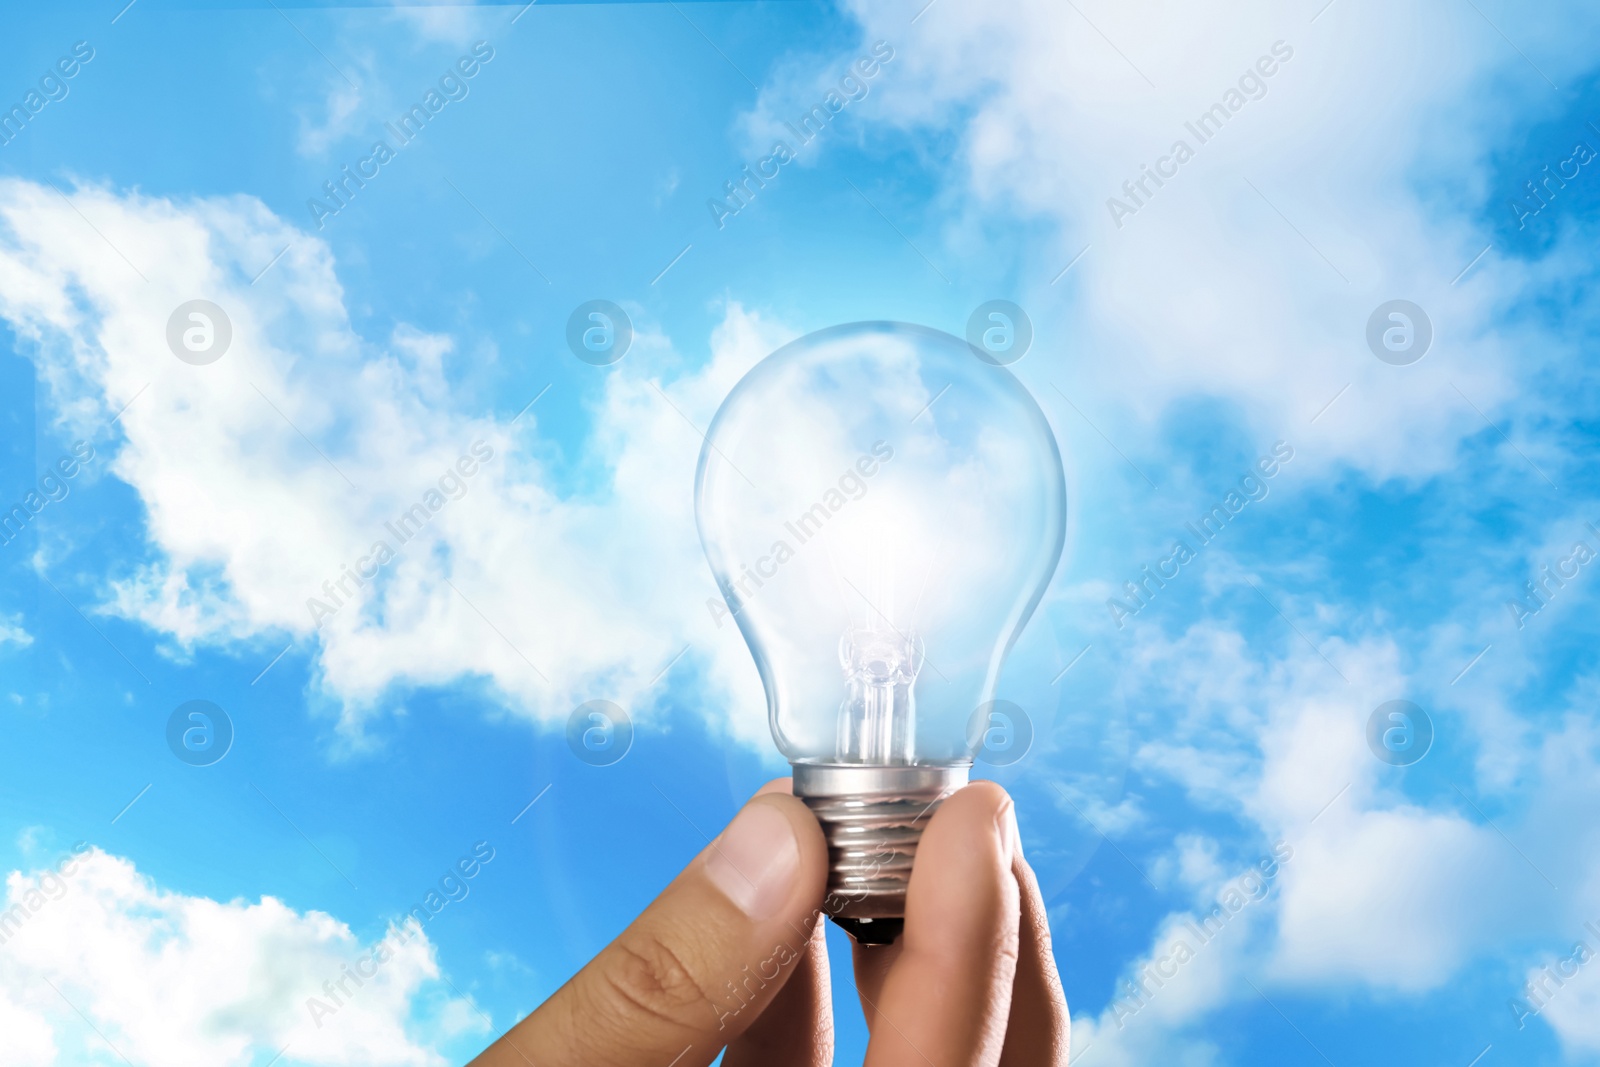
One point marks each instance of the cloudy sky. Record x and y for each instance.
(1345, 243)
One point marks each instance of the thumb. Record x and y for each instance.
(702, 962)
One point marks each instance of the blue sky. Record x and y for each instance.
(1384, 158)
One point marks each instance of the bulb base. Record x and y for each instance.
(872, 818)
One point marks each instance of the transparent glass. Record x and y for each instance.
(882, 509)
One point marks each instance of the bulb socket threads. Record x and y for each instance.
(872, 818)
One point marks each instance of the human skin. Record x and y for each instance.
(971, 980)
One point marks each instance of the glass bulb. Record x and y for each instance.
(882, 508)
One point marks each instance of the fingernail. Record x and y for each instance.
(755, 860)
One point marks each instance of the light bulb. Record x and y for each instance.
(882, 507)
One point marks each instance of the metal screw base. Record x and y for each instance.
(872, 818)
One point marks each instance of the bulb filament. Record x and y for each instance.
(877, 720)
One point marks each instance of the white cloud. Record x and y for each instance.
(1395, 898)
(341, 119)
(454, 24)
(1383, 893)
(1208, 290)
(1155, 1007)
(1569, 1004)
(185, 980)
(266, 473)
(13, 633)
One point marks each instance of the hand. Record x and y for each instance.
(732, 954)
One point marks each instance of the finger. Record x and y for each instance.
(872, 966)
(946, 996)
(702, 962)
(796, 1029)
(1039, 1026)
